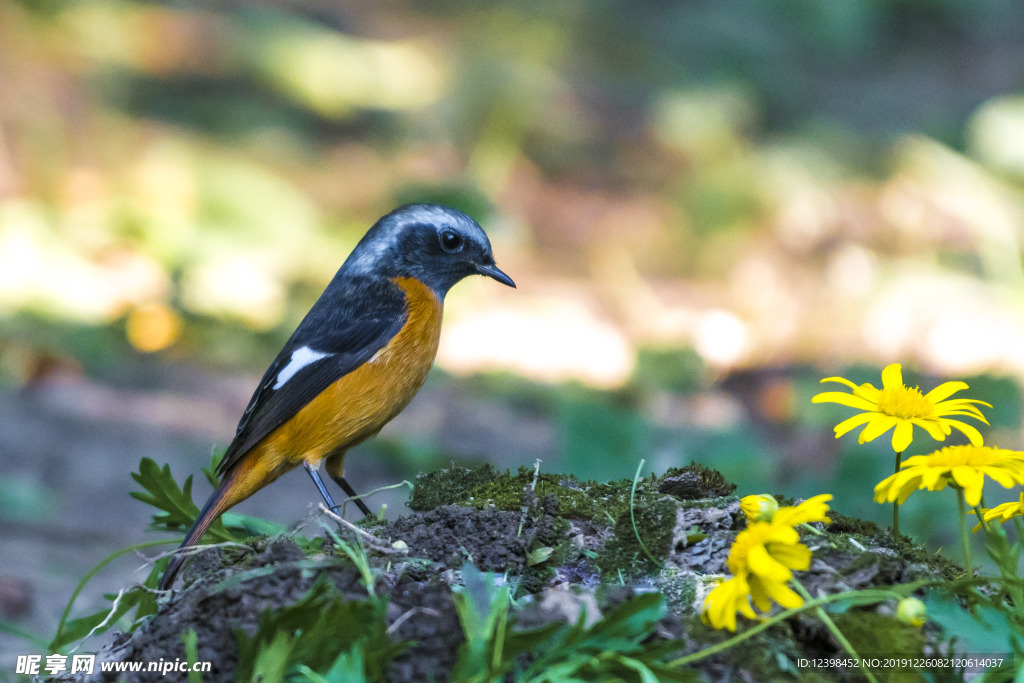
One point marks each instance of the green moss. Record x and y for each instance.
(841, 524)
(877, 635)
(624, 555)
(484, 487)
(679, 589)
(708, 503)
(770, 655)
(844, 527)
(912, 553)
(451, 486)
(856, 562)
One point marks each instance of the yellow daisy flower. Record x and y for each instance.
(902, 407)
(762, 560)
(1003, 512)
(965, 466)
(811, 510)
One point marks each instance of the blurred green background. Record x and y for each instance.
(707, 206)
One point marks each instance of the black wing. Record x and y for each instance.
(331, 328)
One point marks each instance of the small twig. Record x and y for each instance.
(408, 614)
(364, 496)
(196, 549)
(369, 538)
(106, 620)
(92, 572)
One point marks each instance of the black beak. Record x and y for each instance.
(495, 272)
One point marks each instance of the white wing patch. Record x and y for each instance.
(301, 357)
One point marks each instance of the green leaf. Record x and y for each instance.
(77, 629)
(270, 661)
(348, 667)
(619, 647)
(646, 675)
(983, 630)
(210, 472)
(178, 512)
(147, 604)
(310, 637)
(191, 641)
(247, 525)
(13, 629)
(535, 557)
(61, 637)
(482, 607)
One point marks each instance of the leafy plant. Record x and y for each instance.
(178, 512)
(141, 598)
(324, 636)
(619, 647)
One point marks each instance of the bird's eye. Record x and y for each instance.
(451, 241)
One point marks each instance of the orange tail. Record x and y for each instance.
(218, 502)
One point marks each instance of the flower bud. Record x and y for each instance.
(760, 507)
(912, 612)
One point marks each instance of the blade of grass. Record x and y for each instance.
(95, 570)
(632, 516)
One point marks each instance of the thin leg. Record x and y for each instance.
(320, 485)
(347, 488)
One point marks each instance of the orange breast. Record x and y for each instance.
(356, 406)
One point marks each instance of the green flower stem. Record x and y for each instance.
(1018, 526)
(964, 534)
(895, 504)
(862, 597)
(836, 633)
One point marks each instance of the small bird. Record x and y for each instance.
(356, 359)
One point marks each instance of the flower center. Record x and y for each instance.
(904, 402)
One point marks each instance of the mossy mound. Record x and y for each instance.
(565, 551)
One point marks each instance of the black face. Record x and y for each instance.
(434, 244)
(441, 255)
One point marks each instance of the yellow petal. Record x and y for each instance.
(839, 380)
(761, 563)
(796, 556)
(853, 422)
(1004, 478)
(971, 481)
(933, 427)
(944, 391)
(760, 594)
(811, 510)
(887, 489)
(962, 411)
(782, 594)
(902, 435)
(892, 376)
(848, 400)
(905, 490)
(964, 401)
(970, 432)
(880, 425)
